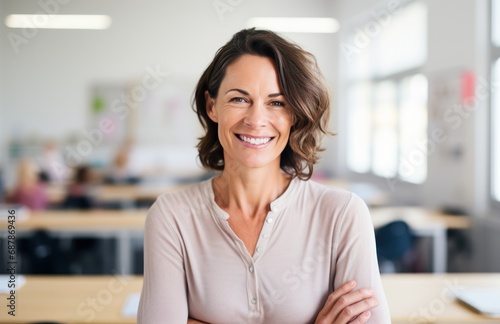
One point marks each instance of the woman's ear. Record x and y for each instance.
(210, 106)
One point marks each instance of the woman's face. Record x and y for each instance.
(253, 116)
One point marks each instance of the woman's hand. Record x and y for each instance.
(346, 305)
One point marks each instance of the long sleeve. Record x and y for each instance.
(357, 257)
(163, 298)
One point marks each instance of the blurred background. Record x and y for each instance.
(97, 122)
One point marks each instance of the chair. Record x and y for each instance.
(394, 243)
(42, 255)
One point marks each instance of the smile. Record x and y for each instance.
(254, 140)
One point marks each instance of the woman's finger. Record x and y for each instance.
(357, 312)
(334, 296)
(344, 305)
(363, 318)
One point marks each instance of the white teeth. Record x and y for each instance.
(255, 141)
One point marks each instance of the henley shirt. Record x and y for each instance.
(314, 239)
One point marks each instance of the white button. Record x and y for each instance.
(258, 249)
(254, 301)
(250, 269)
(269, 220)
(265, 235)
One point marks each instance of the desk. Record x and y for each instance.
(425, 298)
(79, 220)
(68, 299)
(412, 298)
(120, 224)
(124, 193)
(424, 222)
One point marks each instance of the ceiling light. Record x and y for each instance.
(58, 21)
(295, 24)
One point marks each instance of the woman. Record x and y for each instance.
(259, 243)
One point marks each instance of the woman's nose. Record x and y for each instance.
(256, 116)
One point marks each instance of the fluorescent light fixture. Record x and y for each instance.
(58, 21)
(295, 24)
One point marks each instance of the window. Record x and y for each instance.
(387, 95)
(495, 102)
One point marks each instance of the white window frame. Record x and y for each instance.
(396, 77)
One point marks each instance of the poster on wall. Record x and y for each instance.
(109, 114)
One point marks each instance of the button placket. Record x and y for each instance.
(252, 287)
(265, 233)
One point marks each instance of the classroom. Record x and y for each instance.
(101, 129)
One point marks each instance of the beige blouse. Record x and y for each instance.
(314, 239)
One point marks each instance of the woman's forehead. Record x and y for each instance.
(250, 72)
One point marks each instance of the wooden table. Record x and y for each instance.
(123, 225)
(73, 299)
(118, 192)
(419, 217)
(424, 222)
(78, 220)
(428, 298)
(412, 298)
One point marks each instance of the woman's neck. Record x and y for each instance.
(250, 192)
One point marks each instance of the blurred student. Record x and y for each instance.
(121, 171)
(29, 191)
(52, 163)
(80, 195)
(80, 192)
(39, 250)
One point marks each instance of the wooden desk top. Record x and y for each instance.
(134, 192)
(418, 217)
(73, 299)
(82, 220)
(107, 193)
(426, 298)
(413, 298)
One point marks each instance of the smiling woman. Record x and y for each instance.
(297, 79)
(253, 119)
(260, 242)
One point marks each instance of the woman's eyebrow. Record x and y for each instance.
(238, 90)
(246, 93)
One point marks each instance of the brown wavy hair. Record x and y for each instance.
(301, 84)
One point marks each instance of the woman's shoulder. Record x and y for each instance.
(331, 197)
(181, 200)
(324, 191)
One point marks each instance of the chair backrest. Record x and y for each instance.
(394, 240)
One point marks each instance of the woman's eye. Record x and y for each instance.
(237, 99)
(278, 103)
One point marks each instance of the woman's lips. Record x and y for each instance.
(254, 140)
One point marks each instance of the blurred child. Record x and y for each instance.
(80, 195)
(80, 191)
(121, 170)
(29, 191)
(51, 162)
